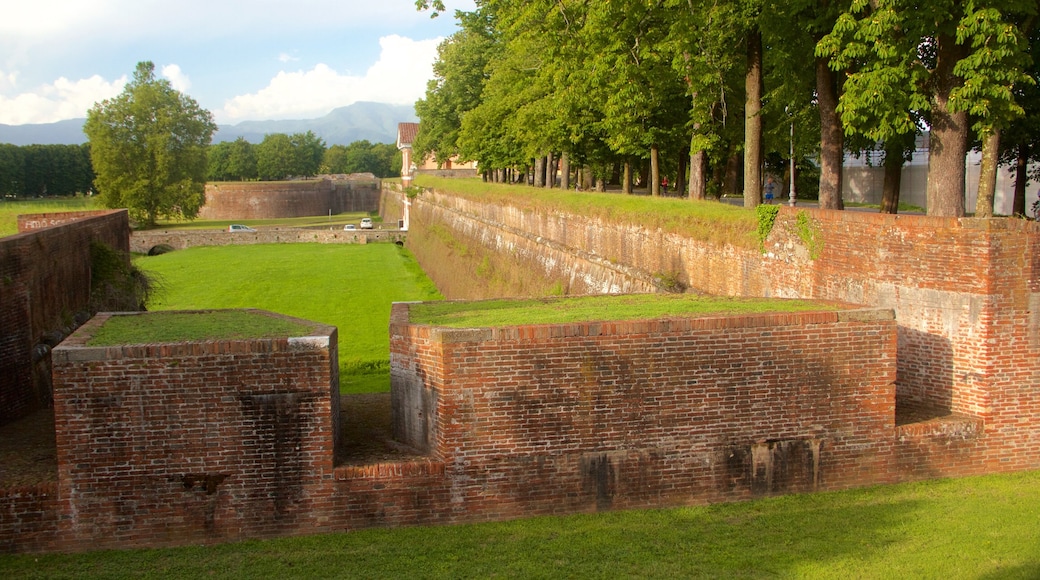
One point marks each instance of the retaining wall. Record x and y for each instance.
(44, 294)
(248, 200)
(144, 241)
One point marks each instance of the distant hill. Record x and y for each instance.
(374, 122)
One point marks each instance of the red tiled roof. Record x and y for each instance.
(406, 134)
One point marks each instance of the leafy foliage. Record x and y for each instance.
(148, 148)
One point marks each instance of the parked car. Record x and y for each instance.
(366, 223)
(239, 228)
(349, 228)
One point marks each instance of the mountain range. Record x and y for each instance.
(373, 122)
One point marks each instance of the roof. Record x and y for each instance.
(406, 134)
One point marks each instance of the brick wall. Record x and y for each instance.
(143, 241)
(563, 418)
(281, 199)
(44, 293)
(204, 441)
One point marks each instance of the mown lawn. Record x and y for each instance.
(10, 210)
(984, 527)
(349, 286)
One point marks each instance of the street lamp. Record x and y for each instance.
(793, 196)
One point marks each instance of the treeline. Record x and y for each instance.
(715, 95)
(39, 170)
(280, 156)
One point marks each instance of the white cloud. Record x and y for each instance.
(178, 80)
(399, 76)
(62, 99)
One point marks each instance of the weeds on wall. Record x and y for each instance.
(115, 283)
(809, 232)
(669, 282)
(766, 218)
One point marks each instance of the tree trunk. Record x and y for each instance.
(698, 174)
(565, 172)
(753, 87)
(893, 178)
(586, 178)
(832, 147)
(948, 140)
(626, 179)
(733, 177)
(988, 175)
(539, 172)
(680, 176)
(1021, 179)
(655, 171)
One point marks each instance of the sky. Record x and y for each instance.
(241, 60)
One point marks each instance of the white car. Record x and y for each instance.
(349, 228)
(239, 228)
(366, 223)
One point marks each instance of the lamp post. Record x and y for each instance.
(793, 197)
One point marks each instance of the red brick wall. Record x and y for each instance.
(205, 441)
(559, 418)
(281, 199)
(44, 285)
(29, 518)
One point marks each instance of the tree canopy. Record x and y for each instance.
(148, 148)
(666, 85)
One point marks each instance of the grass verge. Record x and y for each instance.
(345, 285)
(156, 327)
(709, 221)
(592, 308)
(10, 210)
(981, 527)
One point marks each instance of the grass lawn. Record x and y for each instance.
(156, 327)
(345, 285)
(984, 527)
(511, 312)
(10, 210)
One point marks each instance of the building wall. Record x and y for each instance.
(44, 295)
(247, 200)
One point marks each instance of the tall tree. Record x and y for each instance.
(148, 147)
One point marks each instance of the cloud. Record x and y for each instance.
(178, 80)
(399, 76)
(62, 99)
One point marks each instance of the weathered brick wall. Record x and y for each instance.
(559, 418)
(203, 441)
(29, 518)
(44, 292)
(143, 241)
(281, 199)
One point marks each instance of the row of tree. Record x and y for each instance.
(38, 170)
(703, 89)
(280, 156)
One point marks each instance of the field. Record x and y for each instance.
(348, 286)
(985, 527)
(10, 210)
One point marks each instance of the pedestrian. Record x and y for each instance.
(664, 185)
(770, 188)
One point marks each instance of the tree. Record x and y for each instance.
(309, 149)
(275, 157)
(148, 148)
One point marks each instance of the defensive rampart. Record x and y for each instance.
(247, 200)
(144, 241)
(45, 282)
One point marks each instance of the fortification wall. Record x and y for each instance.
(247, 200)
(144, 241)
(45, 283)
(602, 415)
(965, 291)
(201, 441)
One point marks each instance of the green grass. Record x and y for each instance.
(592, 308)
(983, 527)
(155, 327)
(10, 210)
(710, 221)
(345, 285)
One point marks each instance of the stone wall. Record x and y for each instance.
(44, 294)
(249, 200)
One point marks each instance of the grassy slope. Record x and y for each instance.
(969, 528)
(349, 286)
(10, 210)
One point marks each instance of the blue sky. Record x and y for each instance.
(241, 60)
